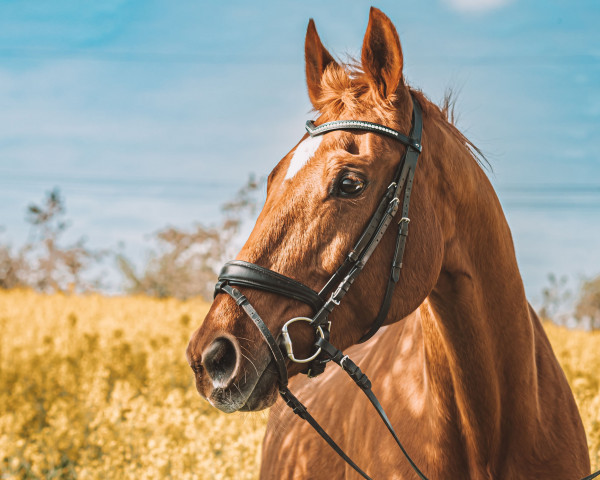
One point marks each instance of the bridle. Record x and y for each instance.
(238, 273)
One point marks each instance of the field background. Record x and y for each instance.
(98, 388)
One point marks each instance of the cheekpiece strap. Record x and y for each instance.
(243, 302)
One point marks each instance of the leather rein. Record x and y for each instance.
(238, 273)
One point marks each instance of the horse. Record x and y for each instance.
(462, 364)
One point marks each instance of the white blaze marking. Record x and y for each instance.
(303, 153)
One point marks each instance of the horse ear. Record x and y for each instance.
(317, 60)
(381, 53)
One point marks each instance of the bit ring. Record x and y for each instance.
(287, 341)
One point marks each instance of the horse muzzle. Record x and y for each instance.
(232, 380)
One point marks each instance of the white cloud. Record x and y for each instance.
(477, 6)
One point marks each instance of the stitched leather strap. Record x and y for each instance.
(407, 174)
(364, 383)
(383, 311)
(243, 302)
(393, 279)
(299, 409)
(593, 475)
(245, 274)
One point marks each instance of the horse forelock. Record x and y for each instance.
(347, 93)
(347, 90)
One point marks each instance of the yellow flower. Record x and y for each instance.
(95, 387)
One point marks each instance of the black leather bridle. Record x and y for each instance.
(238, 273)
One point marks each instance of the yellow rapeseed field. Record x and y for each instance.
(98, 388)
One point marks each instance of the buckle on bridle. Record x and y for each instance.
(391, 189)
(344, 358)
(287, 341)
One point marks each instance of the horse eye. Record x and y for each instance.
(350, 185)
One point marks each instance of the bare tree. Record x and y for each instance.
(14, 267)
(186, 263)
(588, 305)
(554, 299)
(53, 266)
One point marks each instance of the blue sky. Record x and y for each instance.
(152, 113)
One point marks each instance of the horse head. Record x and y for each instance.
(320, 198)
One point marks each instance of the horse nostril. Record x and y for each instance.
(220, 360)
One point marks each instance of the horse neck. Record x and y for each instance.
(479, 336)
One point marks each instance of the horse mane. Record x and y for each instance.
(448, 109)
(345, 87)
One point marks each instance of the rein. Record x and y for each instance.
(239, 273)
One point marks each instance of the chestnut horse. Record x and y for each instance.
(463, 369)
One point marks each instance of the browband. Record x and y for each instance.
(314, 130)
